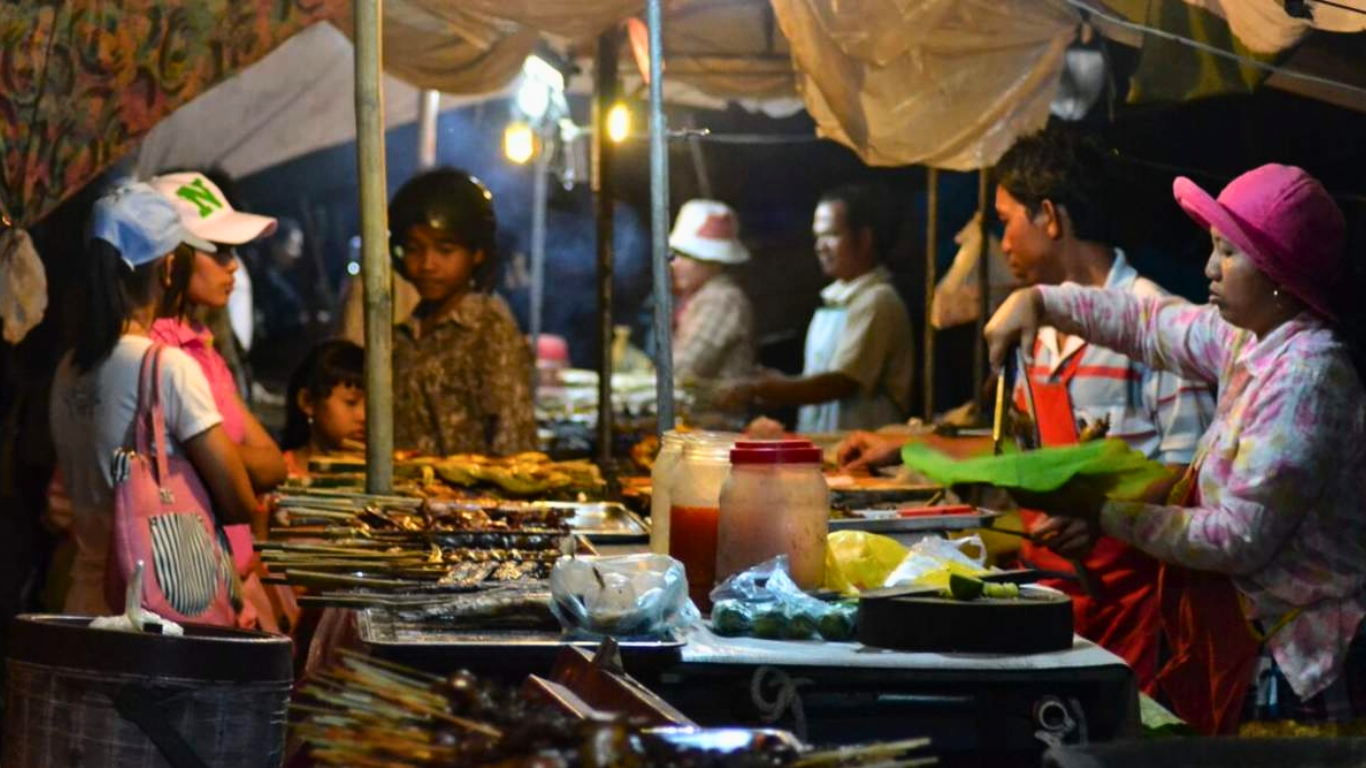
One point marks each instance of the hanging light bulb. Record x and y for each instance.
(519, 142)
(618, 123)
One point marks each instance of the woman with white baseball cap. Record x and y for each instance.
(714, 330)
(204, 280)
(1263, 543)
(133, 234)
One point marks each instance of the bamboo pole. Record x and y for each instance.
(375, 266)
(603, 151)
(931, 279)
(659, 221)
(539, 196)
(979, 357)
(428, 112)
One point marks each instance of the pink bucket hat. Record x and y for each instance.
(1286, 222)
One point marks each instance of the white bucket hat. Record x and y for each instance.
(708, 231)
(205, 210)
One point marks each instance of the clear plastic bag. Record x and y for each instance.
(625, 596)
(766, 603)
(932, 560)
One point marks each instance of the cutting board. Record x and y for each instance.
(926, 622)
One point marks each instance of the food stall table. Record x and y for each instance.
(1012, 706)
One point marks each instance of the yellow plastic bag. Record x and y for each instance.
(858, 560)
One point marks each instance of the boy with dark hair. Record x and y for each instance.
(462, 370)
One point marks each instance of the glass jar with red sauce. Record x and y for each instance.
(694, 510)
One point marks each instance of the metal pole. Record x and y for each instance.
(979, 356)
(374, 229)
(539, 195)
(931, 280)
(659, 221)
(606, 87)
(428, 110)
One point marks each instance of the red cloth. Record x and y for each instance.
(1123, 617)
(1212, 650)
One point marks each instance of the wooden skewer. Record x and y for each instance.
(836, 756)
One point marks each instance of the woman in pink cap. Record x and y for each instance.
(1263, 586)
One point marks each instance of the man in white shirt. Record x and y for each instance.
(860, 353)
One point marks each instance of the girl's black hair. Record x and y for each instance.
(113, 290)
(328, 365)
(176, 301)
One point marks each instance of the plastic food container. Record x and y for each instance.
(694, 509)
(666, 466)
(774, 502)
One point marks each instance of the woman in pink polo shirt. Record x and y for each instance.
(208, 280)
(199, 281)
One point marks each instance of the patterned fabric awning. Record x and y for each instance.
(81, 83)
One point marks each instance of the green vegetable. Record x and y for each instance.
(992, 589)
(968, 588)
(838, 623)
(729, 619)
(770, 625)
(965, 587)
(801, 626)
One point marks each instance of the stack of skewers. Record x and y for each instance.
(367, 713)
(331, 542)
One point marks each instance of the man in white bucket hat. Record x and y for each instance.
(714, 332)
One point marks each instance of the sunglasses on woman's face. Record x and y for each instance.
(224, 256)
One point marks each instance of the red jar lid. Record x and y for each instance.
(775, 452)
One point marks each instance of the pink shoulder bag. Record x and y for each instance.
(164, 518)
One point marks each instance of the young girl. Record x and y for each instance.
(95, 392)
(201, 279)
(325, 404)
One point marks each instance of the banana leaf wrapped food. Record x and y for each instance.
(1125, 473)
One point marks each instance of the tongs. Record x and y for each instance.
(998, 419)
(1005, 387)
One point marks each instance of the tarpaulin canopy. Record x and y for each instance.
(947, 83)
(298, 99)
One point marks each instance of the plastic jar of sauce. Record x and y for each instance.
(774, 502)
(694, 508)
(666, 467)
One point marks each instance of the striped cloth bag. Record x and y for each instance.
(163, 517)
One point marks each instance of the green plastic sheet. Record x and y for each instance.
(1126, 473)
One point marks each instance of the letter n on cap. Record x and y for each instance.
(201, 197)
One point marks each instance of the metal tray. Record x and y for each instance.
(983, 518)
(604, 522)
(883, 494)
(378, 627)
(726, 740)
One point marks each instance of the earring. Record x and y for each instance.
(1276, 294)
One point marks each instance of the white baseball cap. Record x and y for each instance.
(708, 231)
(206, 212)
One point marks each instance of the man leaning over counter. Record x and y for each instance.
(860, 357)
